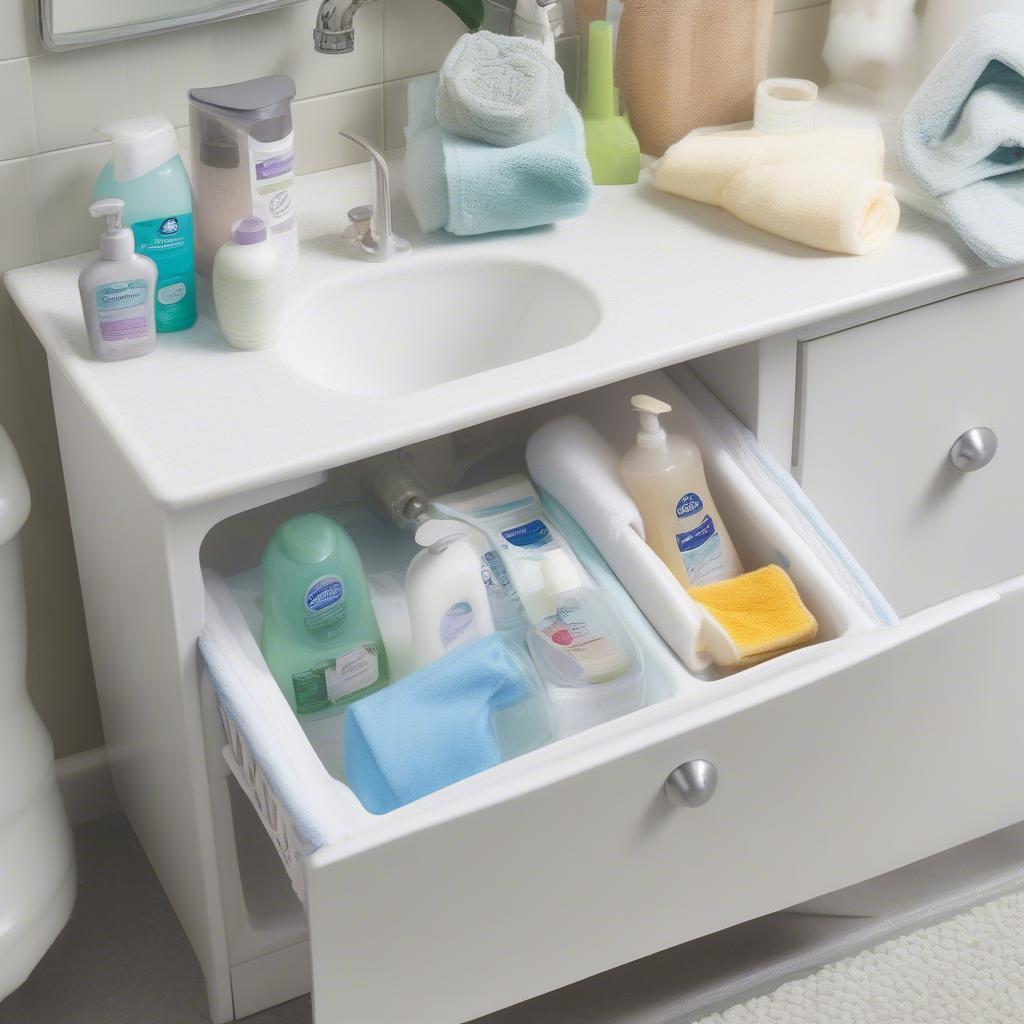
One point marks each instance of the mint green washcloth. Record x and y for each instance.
(490, 188)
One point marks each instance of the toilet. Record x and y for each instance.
(37, 863)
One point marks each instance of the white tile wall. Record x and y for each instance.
(49, 158)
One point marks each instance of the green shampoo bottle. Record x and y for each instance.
(320, 635)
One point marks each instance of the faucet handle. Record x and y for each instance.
(362, 218)
(373, 222)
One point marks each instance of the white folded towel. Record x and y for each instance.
(568, 455)
(502, 90)
(962, 137)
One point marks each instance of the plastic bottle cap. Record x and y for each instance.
(785, 106)
(439, 534)
(559, 573)
(248, 231)
(140, 145)
(117, 242)
(651, 434)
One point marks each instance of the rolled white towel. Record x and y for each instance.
(502, 90)
(568, 458)
(821, 203)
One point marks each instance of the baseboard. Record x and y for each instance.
(86, 785)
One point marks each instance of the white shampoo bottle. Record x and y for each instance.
(445, 592)
(665, 475)
(118, 291)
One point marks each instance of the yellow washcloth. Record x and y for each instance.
(760, 611)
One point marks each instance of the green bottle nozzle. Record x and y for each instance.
(600, 81)
(612, 148)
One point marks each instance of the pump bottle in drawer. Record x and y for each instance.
(665, 476)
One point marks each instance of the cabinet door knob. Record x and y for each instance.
(974, 449)
(692, 784)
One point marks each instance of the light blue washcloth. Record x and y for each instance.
(492, 188)
(436, 726)
(962, 137)
(502, 90)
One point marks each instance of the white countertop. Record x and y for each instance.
(199, 420)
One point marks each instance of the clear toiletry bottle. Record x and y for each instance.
(147, 173)
(589, 663)
(447, 599)
(243, 163)
(664, 473)
(118, 291)
(320, 635)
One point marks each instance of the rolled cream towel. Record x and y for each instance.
(502, 90)
(702, 165)
(822, 203)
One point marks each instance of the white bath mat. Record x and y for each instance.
(968, 970)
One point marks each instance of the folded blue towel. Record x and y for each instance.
(491, 188)
(436, 726)
(962, 137)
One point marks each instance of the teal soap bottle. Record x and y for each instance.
(320, 635)
(147, 173)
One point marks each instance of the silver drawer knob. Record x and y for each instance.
(692, 784)
(974, 449)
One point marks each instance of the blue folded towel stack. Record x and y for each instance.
(962, 137)
(436, 726)
(469, 187)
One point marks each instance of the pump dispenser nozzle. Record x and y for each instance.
(651, 434)
(117, 242)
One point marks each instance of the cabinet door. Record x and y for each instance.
(882, 405)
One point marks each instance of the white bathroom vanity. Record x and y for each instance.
(869, 750)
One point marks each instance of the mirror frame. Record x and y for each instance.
(94, 37)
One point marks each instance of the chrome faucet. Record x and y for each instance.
(370, 226)
(334, 32)
(543, 20)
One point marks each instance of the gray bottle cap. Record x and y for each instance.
(252, 97)
(248, 231)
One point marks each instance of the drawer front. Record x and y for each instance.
(911, 750)
(882, 406)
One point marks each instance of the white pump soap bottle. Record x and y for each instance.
(445, 592)
(665, 475)
(118, 291)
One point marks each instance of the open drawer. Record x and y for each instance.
(836, 762)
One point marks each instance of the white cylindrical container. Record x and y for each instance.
(447, 599)
(37, 860)
(248, 286)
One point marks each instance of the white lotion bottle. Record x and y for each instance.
(118, 291)
(665, 475)
(445, 592)
(248, 286)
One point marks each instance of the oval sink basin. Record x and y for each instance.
(391, 332)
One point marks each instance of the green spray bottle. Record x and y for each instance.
(320, 635)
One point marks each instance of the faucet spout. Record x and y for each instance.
(334, 31)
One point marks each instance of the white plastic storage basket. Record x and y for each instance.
(304, 808)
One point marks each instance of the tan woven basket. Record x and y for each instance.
(685, 64)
